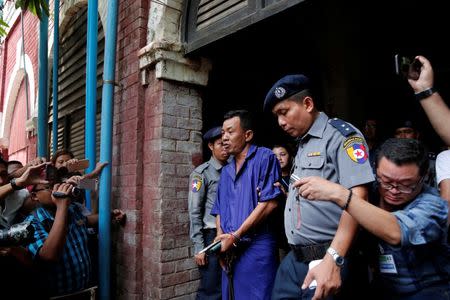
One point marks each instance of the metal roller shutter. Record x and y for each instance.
(72, 86)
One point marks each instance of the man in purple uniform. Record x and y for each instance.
(246, 195)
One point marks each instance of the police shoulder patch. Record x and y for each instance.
(355, 149)
(343, 127)
(196, 184)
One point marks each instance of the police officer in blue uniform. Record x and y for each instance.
(319, 233)
(202, 195)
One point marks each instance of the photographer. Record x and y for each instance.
(66, 164)
(13, 194)
(15, 260)
(60, 248)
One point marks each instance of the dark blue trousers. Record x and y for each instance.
(211, 274)
(290, 277)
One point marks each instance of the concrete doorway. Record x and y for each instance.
(347, 51)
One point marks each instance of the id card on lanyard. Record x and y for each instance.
(387, 264)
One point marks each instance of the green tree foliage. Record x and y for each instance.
(36, 7)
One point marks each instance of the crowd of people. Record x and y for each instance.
(362, 218)
(52, 255)
(343, 216)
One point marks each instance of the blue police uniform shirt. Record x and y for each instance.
(336, 151)
(239, 194)
(423, 257)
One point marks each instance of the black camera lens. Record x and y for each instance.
(76, 192)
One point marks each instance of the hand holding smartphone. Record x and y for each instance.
(407, 67)
(78, 165)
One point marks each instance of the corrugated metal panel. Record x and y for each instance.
(206, 21)
(212, 11)
(77, 138)
(72, 85)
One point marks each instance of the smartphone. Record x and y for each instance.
(87, 184)
(407, 67)
(79, 165)
(51, 173)
(293, 178)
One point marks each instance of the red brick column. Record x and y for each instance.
(172, 142)
(128, 152)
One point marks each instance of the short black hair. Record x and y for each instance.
(15, 162)
(3, 162)
(244, 116)
(404, 151)
(286, 146)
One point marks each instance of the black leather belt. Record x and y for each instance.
(309, 253)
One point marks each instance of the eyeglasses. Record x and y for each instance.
(404, 189)
(35, 191)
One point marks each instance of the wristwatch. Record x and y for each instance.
(14, 184)
(339, 260)
(425, 94)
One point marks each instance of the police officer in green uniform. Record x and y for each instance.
(319, 233)
(202, 194)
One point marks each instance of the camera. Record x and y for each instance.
(55, 175)
(18, 234)
(407, 67)
(75, 193)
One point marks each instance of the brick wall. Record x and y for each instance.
(172, 143)
(8, 60)
(128, 154)
(31, 30)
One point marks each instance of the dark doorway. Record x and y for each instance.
(347, 51)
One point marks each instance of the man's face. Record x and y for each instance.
(42, 193)
(218, 150)
(234, 137)
(294, 118)
(61, 160)
(393, 179)
(3, 174)
(406, 133)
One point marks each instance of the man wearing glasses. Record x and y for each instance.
(409, 224)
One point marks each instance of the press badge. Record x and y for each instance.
(387, 264)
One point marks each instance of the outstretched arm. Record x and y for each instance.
(381, 223)
(434, 106)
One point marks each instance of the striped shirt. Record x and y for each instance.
(72, 272)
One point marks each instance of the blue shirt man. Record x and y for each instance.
(410, 224)
(246, 195)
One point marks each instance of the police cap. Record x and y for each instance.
(284, 88)
(405, 124)
(212, 134)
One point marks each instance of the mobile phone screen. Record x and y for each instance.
(407, 67)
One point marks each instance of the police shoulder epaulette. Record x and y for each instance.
(202, 167)
(343, 127)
